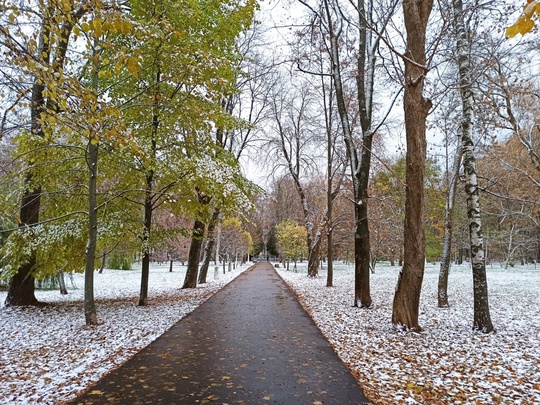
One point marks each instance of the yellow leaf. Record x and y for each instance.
(522, 26)
(85, 27)
(126, 27)
(12, 18)
(96, 392)
(118, 24)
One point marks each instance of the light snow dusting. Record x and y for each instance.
(48, 355)
(446, 363)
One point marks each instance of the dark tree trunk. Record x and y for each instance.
(89, 303)
(360, 172)
(22, 286)
(314, 255)
(145, 267)
(407, 296)
(194, 254)
(21, 290)
(170, 265)
(362, 294)
(149, 193)
(103, 262)
(208, 246)
(92, 163)
(330, 256)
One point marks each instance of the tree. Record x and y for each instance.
(334, 22)
(293, 118)
(235, 241)
(46, 63)
(452, 179)
(407, 297)
(291, 241)
(482, 319)
(188, 62)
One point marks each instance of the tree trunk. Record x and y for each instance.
(360, 161)
(170, 264)
(362, 294)
(364, 83)
(314, 255)
(145, 267)
(442, 292)
(194, 254)
(407, 296)
(92, 163)
(482, 318)
(89, 303)
(61, 282)
(21, 290)
(208, 246)
(103, 262)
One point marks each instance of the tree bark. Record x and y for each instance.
(360, 160)
(314, 254)
(407, 296)
(103, 261)
(147, 224)
(89, 303)
(192, 270)
(62, 282)
(482, 318)
(442, 291)
(92, 163)
(208, 246)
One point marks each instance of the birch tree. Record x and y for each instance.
(482, 318)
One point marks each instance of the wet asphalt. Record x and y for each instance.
(249, 344)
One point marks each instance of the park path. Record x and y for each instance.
(251, 343)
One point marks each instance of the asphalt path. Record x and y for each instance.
(249, 344)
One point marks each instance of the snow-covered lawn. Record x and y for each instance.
(446, 363)
(48, 355)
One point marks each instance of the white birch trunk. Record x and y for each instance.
(448, 230)
(482, 319)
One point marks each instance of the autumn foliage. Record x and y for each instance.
(525, 23)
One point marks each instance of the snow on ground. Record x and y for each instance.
(48, 355)
(446, 363)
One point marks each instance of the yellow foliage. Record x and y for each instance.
(524, 23)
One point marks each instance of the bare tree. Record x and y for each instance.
(407, 297)
(293, 132)
(365, 22)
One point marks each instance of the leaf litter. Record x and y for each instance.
(49, 356)
(446, 363)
